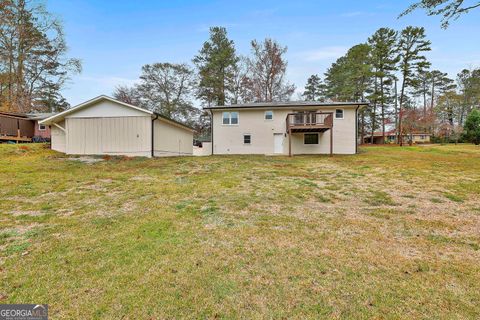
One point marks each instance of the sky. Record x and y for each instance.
(114, 39)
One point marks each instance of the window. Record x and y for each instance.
(338, 113)
(310, 138)
(233, 117)
(230, 118)
(422, 137)
(42, 127)
(268, 115)
(247, 139)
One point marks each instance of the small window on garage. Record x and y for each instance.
(268, 115)
(310, 138)
(338, 113)
(247, 139)
(42, 127)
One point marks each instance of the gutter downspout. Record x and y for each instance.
(153, 134)
(211, 129)
(356, 129)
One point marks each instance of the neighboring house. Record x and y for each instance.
(20, 127)
(391, 137)
(41, 131)
(286, 128)
(105, 126)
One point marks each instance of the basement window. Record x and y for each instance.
(42, 127)
(247, 139)
(310, 138)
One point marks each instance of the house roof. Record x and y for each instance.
(40, 115)
(288, 104)
(60, 116)
(393, 132)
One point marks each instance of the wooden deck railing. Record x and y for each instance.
(309, 119)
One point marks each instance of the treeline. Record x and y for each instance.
(390, 70)
(33, 63)
(218, 76)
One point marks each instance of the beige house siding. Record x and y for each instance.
(172, 140)
(228, 139)
(114, 136)
(58, 139)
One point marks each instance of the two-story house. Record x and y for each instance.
(286, 128)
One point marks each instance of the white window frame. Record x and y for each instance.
(230, 118)
(40, 128)
(265, 115)
(311, 144)
(247, 134)
(343, 113)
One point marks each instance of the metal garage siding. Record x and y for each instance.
(171, 140)
(117, 136)
(126, 135)
(58, 138)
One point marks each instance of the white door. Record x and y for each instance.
(278, 140)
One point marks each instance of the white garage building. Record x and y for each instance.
(105, 126)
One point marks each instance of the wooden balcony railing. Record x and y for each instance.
(309, 121)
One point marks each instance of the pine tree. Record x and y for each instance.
(314, 89)
(216, 64)
(472, 127)
(411, 46)
(383, 60)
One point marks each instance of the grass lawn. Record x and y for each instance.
(388, 233)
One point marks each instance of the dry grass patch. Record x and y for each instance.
(388, 233)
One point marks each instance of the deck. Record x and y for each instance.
(303, 122)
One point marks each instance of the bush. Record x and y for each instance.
(472, 127)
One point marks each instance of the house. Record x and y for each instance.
(105, 126)
(286, 128)
(391, 137)
(21, 127)
(41, 132)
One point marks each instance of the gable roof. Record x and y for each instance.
(288, 104)
(60, 116)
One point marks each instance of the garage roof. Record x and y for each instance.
(60, 116)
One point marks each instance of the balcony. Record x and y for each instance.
(309, 122)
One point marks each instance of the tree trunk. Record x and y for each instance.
(374, 113)
(382, 106)
(400, 129)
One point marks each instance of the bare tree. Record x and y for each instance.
(33, 59)
(167, 88)
(267, 72)
(127, 94)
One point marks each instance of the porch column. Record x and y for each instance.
(289, 142)
(331, 142)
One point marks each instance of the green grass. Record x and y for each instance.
(388, 233)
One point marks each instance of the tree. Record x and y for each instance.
(166, 88)
(314, 89)
(411, 45)
(349, 79)
(216, 64)
(472, 127)
(449, 9)
(266, 81)
(33, 63)
(383, 60)
(127, 94)
(468, 82)
(239, 89)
